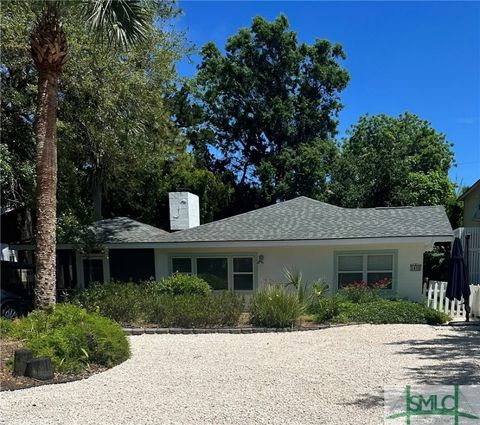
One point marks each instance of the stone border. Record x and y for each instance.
(195, 331)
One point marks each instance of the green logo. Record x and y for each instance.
(428, 404)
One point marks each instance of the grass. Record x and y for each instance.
(274, 307)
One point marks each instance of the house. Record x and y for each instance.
(471, 205)
(246, 251)
(470, 233)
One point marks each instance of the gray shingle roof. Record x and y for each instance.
(126, 230)
(306, 219)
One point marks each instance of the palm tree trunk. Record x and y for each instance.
(49, 52)
(46, 133)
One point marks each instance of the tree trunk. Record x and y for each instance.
(24, 224)
(45, 291)
(49, 52)
(97, 194)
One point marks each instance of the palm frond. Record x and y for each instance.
(121, 22)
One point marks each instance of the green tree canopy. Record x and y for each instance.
(387, 161)
(119, 150)
(267, 109)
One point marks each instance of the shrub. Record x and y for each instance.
(320, 289)
(274, 307)
(361, 292)
(306, 293)
(195, 310)
(72, 338)
(379, 311)
(182, 284)
(122, 302)
(392, 311)
(325, 309)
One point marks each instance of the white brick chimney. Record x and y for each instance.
(184, 210)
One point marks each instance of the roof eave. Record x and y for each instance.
(469, 190)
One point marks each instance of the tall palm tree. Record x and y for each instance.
(118, 22)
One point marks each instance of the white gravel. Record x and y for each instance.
(330, 376)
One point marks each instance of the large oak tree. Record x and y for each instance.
(267, 110)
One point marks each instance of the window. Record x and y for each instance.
(214, 271)
(132, 265)
(379, 267)
(350, 269)
(370, 268)
(228, 272)
(243, 274)
(182, 265)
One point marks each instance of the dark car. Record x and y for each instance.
(12, 305)
(17, 289)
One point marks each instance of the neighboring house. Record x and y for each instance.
(470, 232)
(246, 251)
(471, 205)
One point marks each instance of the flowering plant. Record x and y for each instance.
(361, 292)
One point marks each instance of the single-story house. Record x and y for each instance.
(246, 251)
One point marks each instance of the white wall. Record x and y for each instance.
(315, 262)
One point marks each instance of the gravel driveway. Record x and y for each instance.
(330, 376)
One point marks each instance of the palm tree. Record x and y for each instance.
(118, 22)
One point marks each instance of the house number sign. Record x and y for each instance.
(415, 267)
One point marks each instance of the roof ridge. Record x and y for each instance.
(401, 207)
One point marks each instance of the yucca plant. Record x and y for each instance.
(120, 23)
(295, 278)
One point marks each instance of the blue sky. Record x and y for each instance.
(422, 57)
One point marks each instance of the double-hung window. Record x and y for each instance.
(369, 268)
(232, 272)
(243, 274)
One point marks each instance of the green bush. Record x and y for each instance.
(361, 292)
(163, 303)
(195, 311)
(393, 311)
(325, 309)
(72, 338)
(379, 311)
(182, 284)
(274, 307)
(122, 302)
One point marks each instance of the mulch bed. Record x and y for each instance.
(9, 382)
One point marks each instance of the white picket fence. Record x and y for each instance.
(437, 300)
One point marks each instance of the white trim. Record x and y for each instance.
(428, 241)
